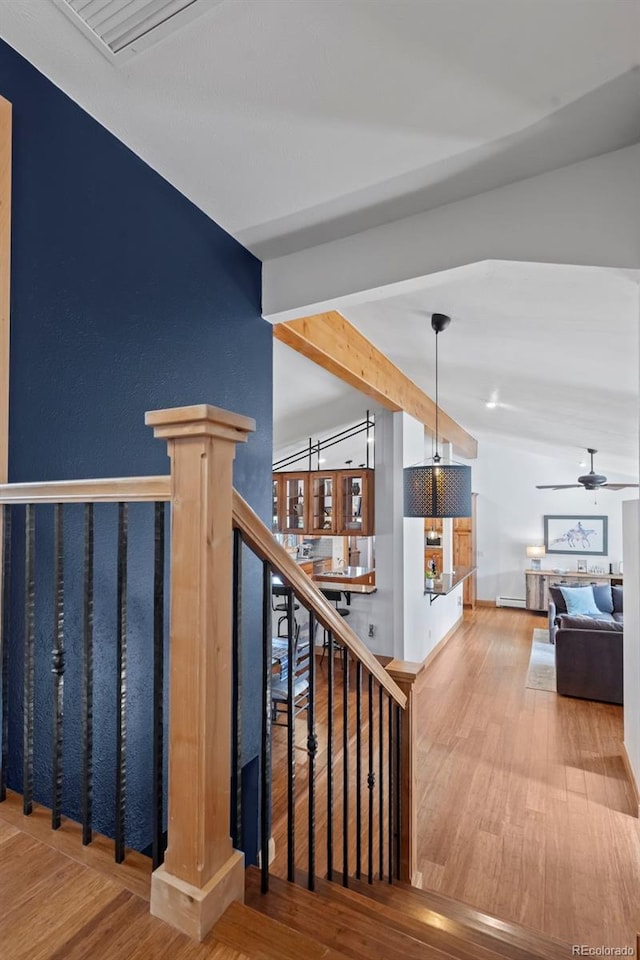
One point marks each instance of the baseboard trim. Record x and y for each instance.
(440, 645)
(485, 603)
(632, 780)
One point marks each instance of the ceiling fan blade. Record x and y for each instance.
(558, 486)
(618, 486)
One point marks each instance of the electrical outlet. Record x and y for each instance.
(372, 630)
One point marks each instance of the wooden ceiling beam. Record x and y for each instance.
(335, 345)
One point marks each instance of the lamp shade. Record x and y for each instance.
(535, 551)
(437, 490)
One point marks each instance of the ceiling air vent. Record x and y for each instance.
(122, 28)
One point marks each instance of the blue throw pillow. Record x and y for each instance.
(580, 601)
(602, 597)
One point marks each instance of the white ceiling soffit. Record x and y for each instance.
(122, 28)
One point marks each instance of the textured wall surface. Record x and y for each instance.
(125, 298)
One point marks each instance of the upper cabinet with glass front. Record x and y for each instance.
(324, 503)
(295, 488)
(322, 511)
(355, 512)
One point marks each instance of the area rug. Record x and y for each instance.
(541, 674)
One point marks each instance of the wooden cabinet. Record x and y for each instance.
(537, 583)
(464, 548)
(324, 503)
(322, 511)
(293, 511)
(355, 513)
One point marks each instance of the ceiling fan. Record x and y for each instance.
(590, 481)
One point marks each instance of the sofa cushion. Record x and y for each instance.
(616, 596)
(602, 597)
(618, 617)
(568, 622)
(579, 600)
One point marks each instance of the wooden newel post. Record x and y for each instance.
(405, 675)
(202, 873)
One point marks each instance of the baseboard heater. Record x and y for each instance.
(511, 602)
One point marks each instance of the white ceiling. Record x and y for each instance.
(555, 346)
(291, 121)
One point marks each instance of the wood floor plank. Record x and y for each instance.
(539, 773)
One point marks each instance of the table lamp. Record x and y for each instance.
(534, 553)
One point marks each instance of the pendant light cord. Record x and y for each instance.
(437, 455)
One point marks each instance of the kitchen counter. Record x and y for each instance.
(356, 575)
(447, 582)
(345, 586)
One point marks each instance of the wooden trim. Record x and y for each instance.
(632, 780)
(107, 490)
(202, 873)
(134, 874)
(485, 603)
(5, 281)
(329, 340)
(261, 540)
(405, 674)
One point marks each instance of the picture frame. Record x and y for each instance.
(583, 535)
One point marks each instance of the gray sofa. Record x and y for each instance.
(589, 648)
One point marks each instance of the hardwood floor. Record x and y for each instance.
(525, 809)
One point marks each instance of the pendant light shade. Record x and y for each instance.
(437, 489)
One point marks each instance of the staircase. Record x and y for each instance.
(348, 804)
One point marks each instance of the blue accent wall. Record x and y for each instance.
(124, 298)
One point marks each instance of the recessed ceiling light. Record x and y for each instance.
(582, 463)
(491, 404)
(369, 439)
(322, 459)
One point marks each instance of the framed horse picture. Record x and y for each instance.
(582, 535)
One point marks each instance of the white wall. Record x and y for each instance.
(631, 537)
(511, 511)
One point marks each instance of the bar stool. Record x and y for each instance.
(335, 596)
(278, 590)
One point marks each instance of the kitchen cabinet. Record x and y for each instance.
(323, 518)
(294, 511)
(355, 512)
(324, 503)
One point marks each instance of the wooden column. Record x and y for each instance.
(405, 675)
(201, 873)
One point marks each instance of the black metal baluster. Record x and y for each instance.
(390, 759)
(265, 733)
(398, 800)
(157, 851)
(330, 756)
(236, 694)
(380, 781)
(291, 757)
(345, 767)
(29, 667)
(57, 663)
(87, 679)
(371, 782)
(358, 769)
(121, 671)
(312, 749)
(4, 646)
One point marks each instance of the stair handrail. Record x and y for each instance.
(261, 540)
(102, 490)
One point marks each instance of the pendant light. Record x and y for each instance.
(437, 489)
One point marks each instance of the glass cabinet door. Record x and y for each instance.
(295, 497)
(356, 502)
(323, 503)
(276, 522)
